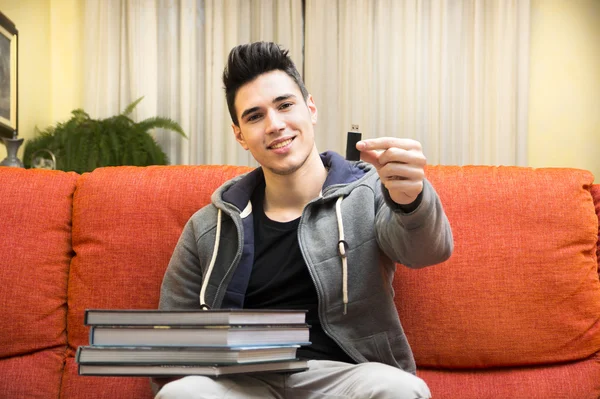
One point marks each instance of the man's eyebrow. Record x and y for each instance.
(283, 98)
(249, 111)
(275, 100)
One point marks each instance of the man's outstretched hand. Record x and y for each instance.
(400, 164)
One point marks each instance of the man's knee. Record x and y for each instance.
(193, 387)
(175, 389)
(383, 381)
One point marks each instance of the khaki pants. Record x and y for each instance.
(323, 379)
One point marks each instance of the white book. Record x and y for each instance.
(259, 335)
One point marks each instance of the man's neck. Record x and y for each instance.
(287, 195)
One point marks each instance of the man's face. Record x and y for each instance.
(275, 123)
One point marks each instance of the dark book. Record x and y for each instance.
(183, 355)
(153, 317)
(293, 334)
(183, 370)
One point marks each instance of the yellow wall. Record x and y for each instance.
(66, 83)
(564, 113)
(50, 79)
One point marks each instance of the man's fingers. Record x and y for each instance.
(371, 157)
(402, 156)
(393, 156)
(383, 143)
(400, 171)
(400, 165)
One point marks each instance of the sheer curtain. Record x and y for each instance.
(173, 53)
(451, 74)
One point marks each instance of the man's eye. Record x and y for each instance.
(285, 105)
(253, 117)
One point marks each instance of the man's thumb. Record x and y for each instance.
(371, 157)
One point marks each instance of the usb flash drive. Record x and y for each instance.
(352, 154)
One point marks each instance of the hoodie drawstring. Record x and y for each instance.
(245, 213)
(342, 251)
(211, 265)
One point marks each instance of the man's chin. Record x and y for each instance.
(286, 170)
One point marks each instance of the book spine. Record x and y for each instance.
(78, 354)
(91, 339)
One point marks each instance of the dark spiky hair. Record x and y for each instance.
(248, 61)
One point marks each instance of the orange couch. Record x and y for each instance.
(515, 312)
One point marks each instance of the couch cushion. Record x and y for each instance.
(576, 380)
(32, 376)
(35, 231)
(522, 285)
(126, 222)
(75, 386)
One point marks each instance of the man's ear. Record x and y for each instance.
(312, 108)
(239, 137)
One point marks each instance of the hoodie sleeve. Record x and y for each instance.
(419, 238)
(183, 278)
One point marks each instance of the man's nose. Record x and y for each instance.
(275, 122)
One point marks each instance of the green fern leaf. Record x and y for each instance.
(129, 109)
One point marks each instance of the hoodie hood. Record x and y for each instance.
(238, 191)
(234, 198)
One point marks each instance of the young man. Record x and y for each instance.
(309, 231)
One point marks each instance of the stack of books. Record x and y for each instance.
(157, 343)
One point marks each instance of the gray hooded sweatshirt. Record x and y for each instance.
(351, 238)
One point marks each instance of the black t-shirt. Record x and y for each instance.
(280, 279)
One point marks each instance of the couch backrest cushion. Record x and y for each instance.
(35, 236)
(126, 222)
(522, 285)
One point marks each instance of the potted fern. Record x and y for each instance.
(82, 144)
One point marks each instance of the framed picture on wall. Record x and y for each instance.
(8, 77)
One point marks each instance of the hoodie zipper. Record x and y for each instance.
(319, 297)
(235, 261)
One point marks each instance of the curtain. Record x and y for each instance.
(451, 74)
(172, 52)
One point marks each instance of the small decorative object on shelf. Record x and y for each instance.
(43, 159)
(12, 146)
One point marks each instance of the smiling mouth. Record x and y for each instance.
(281, 144)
